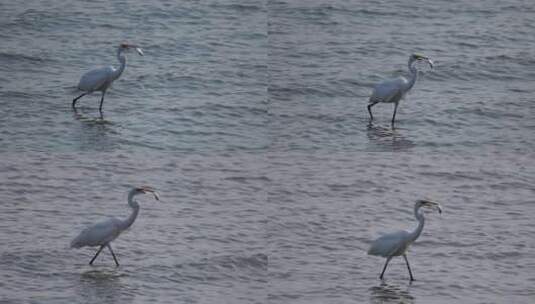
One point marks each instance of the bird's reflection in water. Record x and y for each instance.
(103, 286)
(390, 293)
(387, 138)
(94, 132)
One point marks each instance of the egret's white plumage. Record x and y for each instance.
(392, 244)
(98, 234)
(103, 233)
(396, 244)
(390, 90)
(97, 80)
(100, 79)
(393, 90)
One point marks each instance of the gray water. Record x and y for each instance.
(250, 119)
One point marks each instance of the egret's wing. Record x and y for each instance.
(388, 244)
(95, 79)
(98, 234)
(389, 90)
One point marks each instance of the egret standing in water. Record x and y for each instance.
(101, 234)
(101, 79)
(393, 90)
(397, 243)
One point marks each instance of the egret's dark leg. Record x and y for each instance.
(408, 267)
(113, 254)
(384, 268)
(395, 110)
(76, 99)
(98, 252)
(370, 109)
(101, 101)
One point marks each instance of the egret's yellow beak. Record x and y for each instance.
(432, 205)
(147, 189)
(425, 58)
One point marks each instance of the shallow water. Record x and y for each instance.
(203, 242)
(250, 120)
(200, 86)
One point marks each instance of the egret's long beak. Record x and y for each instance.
(433, 205)
(150, 190)
(428, 60)
(420, 57)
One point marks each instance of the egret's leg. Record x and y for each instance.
(98, 252)
(370, 109)
(101, 101)
(408, 267)
(395, 110)
(113, 254)
(384, 268)
(76, 99)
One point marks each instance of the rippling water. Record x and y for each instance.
(204, 241)
(249, 118)
(200, 86)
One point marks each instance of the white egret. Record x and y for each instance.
(397, 243)
(101, 79)
(101, 234)
(393, 90)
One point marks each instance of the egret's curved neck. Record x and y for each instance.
(421, 220)
(135, 210)
(414, 74)
(122, 59)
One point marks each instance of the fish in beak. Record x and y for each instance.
(147, 189)
(432, 205)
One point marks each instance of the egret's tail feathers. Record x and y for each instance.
(378, 249)
(372, 251)
(76, 243)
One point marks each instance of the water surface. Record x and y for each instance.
(250, 119)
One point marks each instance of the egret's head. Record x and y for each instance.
(127, 47)
(429, 204)
(420, 57)
(146, 190)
